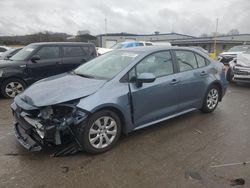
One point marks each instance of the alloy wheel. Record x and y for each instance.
(103, 132)
(13, 88)
(212, 98)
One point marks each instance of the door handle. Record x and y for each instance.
(22, 66)
(58, 63)
(174, 81)
(203, 73)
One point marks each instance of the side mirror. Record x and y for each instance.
(145, 78)
(35, 58)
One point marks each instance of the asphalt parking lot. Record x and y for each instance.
(182, 152)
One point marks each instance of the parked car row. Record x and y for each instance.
(119, 92)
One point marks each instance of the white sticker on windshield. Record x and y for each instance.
(130, 55)
(29, 49)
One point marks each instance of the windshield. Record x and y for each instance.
(239, 49)
(24, 53)
(107, 65)
(118, 46)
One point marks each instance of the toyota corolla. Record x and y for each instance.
(119, 92)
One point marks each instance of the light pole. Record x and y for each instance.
(215, 37)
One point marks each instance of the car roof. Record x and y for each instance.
(61, 43)
(158, 48)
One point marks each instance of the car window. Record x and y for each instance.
(186, 60)
(200, 60)
(48, 52)
(73, 51)
(129, 45)
(149, 44)
(140, 44)
(159, 64)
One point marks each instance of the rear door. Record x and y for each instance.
(48, 65)
(73, 56)
(193, 78)
(154, 101)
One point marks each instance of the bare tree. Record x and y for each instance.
(233, 32)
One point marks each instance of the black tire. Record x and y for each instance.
(229, 75)
(84, 133)
(6, 83)
(206, 106)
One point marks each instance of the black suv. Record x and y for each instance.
(40, 60)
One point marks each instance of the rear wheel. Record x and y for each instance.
(211, 99)
(12, 87)
(102, 131)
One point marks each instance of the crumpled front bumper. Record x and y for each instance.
(28, 132)
(28, 141)
(28, 136)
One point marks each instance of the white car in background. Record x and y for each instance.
(4, 49)
(130, 44)
(232, 53)
(239, 68)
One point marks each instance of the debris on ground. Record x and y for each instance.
(65, 169)
(230, 164)
(198, 131)
(238, 181)
(193, 175)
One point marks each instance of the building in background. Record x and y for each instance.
(223, 42)
(110, 39)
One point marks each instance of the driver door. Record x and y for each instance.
(159, 99)
(48, 65)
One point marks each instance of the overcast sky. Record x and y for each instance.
(191, 17)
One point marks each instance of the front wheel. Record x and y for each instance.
(211, 99)
(102, 131)
(12, 87)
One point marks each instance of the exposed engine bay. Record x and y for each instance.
(55, 125)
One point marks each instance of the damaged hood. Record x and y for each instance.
(243, 60)
(230, 53)
(60, 88)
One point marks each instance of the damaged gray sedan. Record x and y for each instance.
(119, 92)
